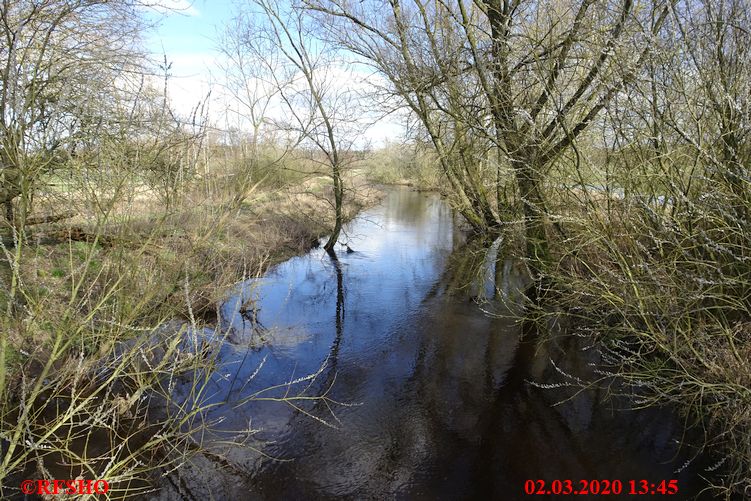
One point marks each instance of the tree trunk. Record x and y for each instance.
(9, 212)
(338, 202)
(535, 236)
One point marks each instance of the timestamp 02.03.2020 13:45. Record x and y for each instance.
(566, 487)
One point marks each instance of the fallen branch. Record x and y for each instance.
(50, 219)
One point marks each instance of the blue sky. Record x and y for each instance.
(186, 35)
(191, 27)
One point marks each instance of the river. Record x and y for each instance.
(421, 385)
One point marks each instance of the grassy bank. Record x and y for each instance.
(409, 165)
(86, 356)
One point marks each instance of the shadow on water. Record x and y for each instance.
(415, 333)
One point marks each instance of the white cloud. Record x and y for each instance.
(168, 6)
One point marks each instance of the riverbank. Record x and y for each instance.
(79, 288)
(660, 289)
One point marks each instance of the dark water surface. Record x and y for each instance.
(437, 393)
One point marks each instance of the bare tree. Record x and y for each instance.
(307, 75)
(501, 83)
(248, 80)
(59, 61)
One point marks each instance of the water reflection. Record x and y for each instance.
(414, 332)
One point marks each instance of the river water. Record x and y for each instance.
(397, 371)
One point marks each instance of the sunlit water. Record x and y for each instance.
(437, 393)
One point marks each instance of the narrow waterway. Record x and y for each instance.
(418, 385)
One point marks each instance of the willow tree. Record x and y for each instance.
(316, 103)
(59, 63)
(249, 91)
(509, 84)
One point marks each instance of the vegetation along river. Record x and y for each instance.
(420, 384)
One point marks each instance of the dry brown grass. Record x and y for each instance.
(87, 313)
